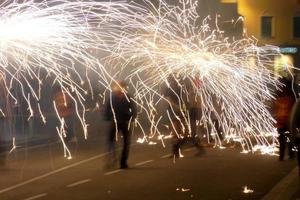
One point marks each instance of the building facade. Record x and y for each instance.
(274, 22)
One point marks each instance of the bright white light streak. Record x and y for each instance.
(247, 190)
(70, 40)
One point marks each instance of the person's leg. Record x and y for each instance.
(297, 141)
(2, 144)
(176, 136)
(111, 137)
(195, 113)
(2, 153)
(111, 140)
(218, 129)
(193, 121)
(290, 146)
(69, 128)
(281, 140)
(175, 147)
(126, 131)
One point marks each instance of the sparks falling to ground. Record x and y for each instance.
(146, 45)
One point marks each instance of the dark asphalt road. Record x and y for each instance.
(43, 173)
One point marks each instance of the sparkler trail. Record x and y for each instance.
(69, 41)
(56, 39)
(235, 76)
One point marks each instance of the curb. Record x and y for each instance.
(285, 188)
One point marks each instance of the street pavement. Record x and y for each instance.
(42, 172)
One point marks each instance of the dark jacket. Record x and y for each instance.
(123, 108)
(295, 119)
(284, 103)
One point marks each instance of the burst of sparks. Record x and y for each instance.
(145, 44)
(246, 190)
(234, 75)
(183, 189)
(55, 39)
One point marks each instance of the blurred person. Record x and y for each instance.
(295, 127)
(215, 119)
(283, 106)
(5, 115)
(193, 102)
(177, 111)
(194, 107)
(121, 112)
(65, 109)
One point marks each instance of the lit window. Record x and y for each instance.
(296, 25)
(267, 26)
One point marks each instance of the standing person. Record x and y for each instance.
(194, 107)
(283, 106)
(5, 115)
(177, 112)
(120, 111)
(215, 119)
(295, 127)
(193, 102)
(65, 109)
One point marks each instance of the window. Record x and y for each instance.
(229, 1)
(296, 26)
(267, 27)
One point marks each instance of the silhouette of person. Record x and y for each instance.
(295, 127)
(65, 108)
(177, 112)
(5, 115)
(283, 106)
(120, 111)
(194, 106)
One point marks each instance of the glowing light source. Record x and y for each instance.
(246, 190)
(145, 44)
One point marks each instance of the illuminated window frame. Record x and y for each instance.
(296, 27)
(267, 26)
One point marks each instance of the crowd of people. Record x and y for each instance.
(286, 113)
(15, 120)
(184, 113)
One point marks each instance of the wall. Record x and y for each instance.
(283, 12)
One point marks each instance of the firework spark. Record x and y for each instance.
(146, 44)
(235, 76)
(55, 39)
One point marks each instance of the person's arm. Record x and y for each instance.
(133, 108)
(295, 117)
(107, 110)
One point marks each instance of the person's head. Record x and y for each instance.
(119, 86)
(171, 80)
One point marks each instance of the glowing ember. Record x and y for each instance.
(69, 41)
(246, 190)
